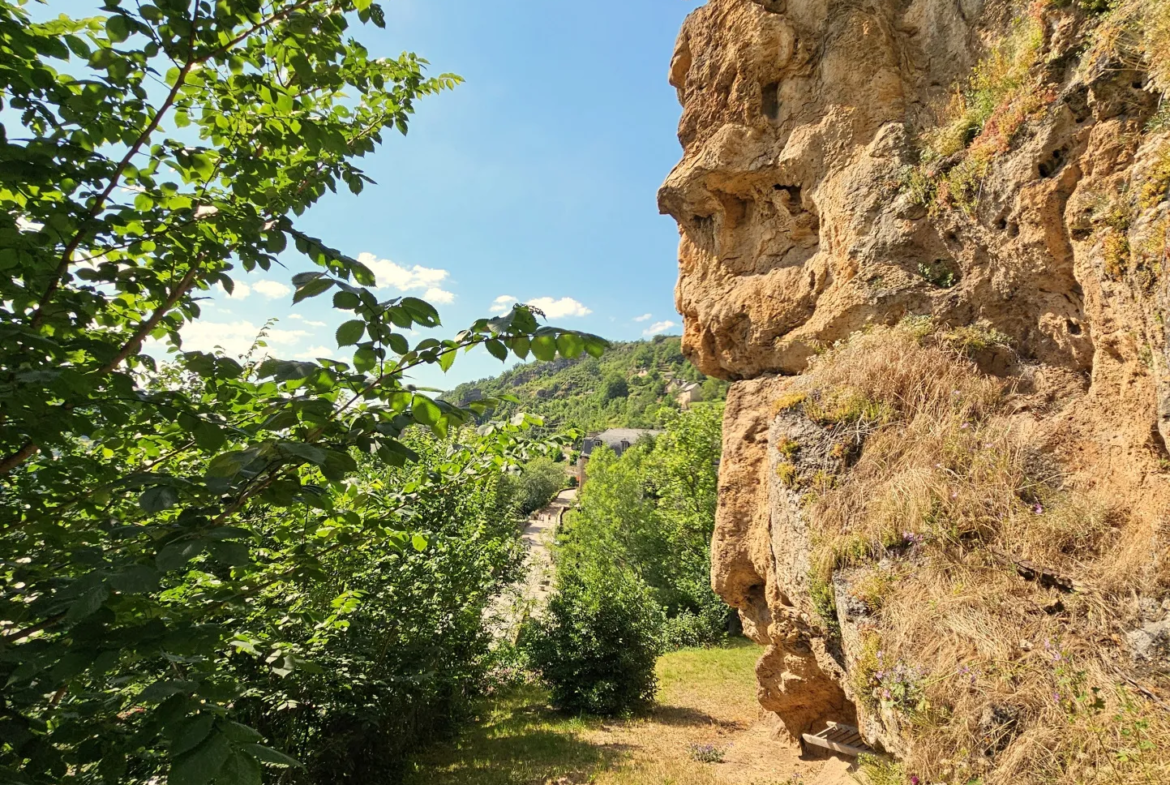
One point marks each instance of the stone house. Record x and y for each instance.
(617, 439)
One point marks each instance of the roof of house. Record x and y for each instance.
(617, 438)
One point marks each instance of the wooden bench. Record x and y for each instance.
(839, 738)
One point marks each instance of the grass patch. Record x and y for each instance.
(518, 740)
(1135, 33)
(981, 122)
(946, 496)
(515, 739)
(882, 771)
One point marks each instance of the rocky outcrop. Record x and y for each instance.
(813, 205)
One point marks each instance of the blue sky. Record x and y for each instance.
(535, 179)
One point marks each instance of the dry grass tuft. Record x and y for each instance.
(1136, 34)
(991, 676)
(983, 118)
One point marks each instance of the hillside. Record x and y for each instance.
(627, 387)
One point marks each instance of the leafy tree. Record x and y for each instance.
(614, 387)
(653, 510)
(538, 482)
(147, 514)
(393, 641)
(643, 356)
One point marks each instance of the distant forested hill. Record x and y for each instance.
(626, 387)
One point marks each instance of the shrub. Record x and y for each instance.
(390, 645)
(538, 482)
(597, 645)
(706, 753)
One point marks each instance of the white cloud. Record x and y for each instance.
(643, 318)
(438, 296)
(553, 309)
(658, 327)
(558, 309)
(271, 289)
(317, 353)
(236, 338)
(401, 278)
(239, 291)
(502, 304)
(309, 322)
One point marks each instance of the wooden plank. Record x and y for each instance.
(843, 734)
(839, 737)
(846, 749)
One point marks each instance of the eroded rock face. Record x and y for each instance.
(800, 119)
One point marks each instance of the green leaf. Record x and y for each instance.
(424, 410)
(346, 301)
(203, 164)
(520, 346)
(399, 344)
(350, 332)
(447, 358)
(362, 274)
(570, 345)
(419, 542)
(496, 349)
(544, 347)
(176, 555)
(338, 465)
(421, 311)
(269, 755)
(595, 346)
(365, 359)
(88, 603)
(117, 28)
(191, 733)
(209, 436)
(202, 764)
(233, 554)
(312, 289)
(137, 579)
(240, 769)
(158, 498)
(228, 464)
(308, 452)
(241, 734)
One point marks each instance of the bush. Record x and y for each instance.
(389, 645)
(538, 483)
(597, 645)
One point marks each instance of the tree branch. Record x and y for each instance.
(99, 204)
(130, 347)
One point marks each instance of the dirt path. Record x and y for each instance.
(528, 597)
(706, 697)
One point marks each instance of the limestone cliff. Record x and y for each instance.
(879, 200)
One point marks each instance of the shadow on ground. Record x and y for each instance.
(518, 741)
(686, 717)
